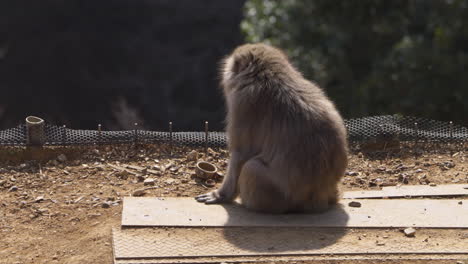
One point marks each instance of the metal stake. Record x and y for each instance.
(99, 133)
(64, 134)
(206, 137)
(170, 137)
(451, 131)
(135, 134)
(415, 138)
(415, 132)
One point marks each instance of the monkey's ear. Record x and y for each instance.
(236, 65)
(241, 62)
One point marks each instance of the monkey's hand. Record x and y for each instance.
(211, 198)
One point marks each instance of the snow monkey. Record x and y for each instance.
(286, 139)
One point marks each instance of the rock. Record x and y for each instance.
(418, 171)
(105, 204)
(78, 199)
(211, 151)
(354, 204)
(409, 232)
(210, 183)
(449, 164)
(432, 184)
(13, 189)
(352, 173)
(139, 192)
(140, 178)
(192, 156)
(219, 176)
(403, 177)
(380, 243)
(170, 181)
(39, 199)
(62, 158)
(460, 202)
(122, 174)
(149, 181)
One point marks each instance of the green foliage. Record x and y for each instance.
(374, 56)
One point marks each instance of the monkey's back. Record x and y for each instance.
(294, 128)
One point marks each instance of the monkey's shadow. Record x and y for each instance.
(283, 234)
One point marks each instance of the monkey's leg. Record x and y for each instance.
(318, 202)
(333, 195)
(228, 190)
(257, 190)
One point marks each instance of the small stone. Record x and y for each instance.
(354, 204)
(419, 171)
(460, 202)
(432, 184)
(352, 173)
(210, 183)
(62, 158)
(460, 262)
(105, 204)
(39, 199)
(139, 192)
(123, 174)
(211, 151)
(141, 178)
(409, 232)
(78, 199)
(380, 243)
(149, 181)
(13, 189)
(170, 181)
(192, 156)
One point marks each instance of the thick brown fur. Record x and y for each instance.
(287, 140)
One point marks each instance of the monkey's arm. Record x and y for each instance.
(228, 190)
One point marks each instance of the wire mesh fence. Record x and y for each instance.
(380, 128)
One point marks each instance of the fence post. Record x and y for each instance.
(35, 131)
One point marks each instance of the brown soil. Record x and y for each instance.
(62, 210)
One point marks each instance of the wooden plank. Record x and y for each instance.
(147, 243)
(411, 191)
(152, 211)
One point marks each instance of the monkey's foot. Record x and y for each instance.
(210, 198)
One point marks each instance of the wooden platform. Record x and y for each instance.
(181, 230)
(186, 212)
(411, 191)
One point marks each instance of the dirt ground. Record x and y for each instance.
(60, 207)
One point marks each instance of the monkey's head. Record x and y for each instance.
(252, 62)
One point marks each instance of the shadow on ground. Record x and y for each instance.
(284, 234)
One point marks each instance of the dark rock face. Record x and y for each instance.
(115, 62)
